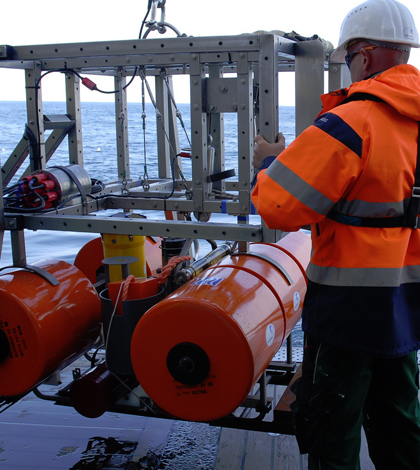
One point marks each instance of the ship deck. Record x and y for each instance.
(38, 434)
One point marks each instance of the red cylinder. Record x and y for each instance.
(99, 389)
(45, 327)
(198, 352)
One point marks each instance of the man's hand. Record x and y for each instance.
(263, 149)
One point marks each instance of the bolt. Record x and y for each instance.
(171, 58)
(243, 107)
(176, 206)
(150, 59)
(127, 60)
(11, 223)
(194, 56)
(154, 205)
(223, 89)
(212, 108)
(196, 107)
(235, 107)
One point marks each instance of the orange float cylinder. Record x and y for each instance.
(44, 327)
(198, 352)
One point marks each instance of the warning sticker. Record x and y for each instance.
(296, 301)
(270, 334)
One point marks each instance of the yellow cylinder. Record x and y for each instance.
(125, 245)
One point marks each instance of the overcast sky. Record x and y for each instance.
(27, 22)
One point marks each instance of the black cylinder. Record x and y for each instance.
(171, 247)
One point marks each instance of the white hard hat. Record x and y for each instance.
(380, 20)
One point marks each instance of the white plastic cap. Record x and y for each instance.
(380, 20)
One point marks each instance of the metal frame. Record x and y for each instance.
(265, 409)
(252, 61)
(230, 74)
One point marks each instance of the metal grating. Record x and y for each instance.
(281, 354)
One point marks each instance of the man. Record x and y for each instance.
(351, 177)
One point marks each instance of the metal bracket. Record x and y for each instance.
(5, 52)
(14, 222)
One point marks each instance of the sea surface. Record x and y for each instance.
(100, 160)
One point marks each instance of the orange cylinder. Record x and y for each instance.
(44, 327)
(198, 352)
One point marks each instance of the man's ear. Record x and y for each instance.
(366, 59)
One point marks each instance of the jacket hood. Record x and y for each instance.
(398, 86)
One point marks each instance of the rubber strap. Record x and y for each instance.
(362, 97)
(413, 209)
(376, 222)
(79, 185)
(220, 176)
(37, 270)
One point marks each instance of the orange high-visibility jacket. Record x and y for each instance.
(357, 159)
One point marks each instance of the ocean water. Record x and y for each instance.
(99, 150)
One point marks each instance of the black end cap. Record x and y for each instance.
(188, 363)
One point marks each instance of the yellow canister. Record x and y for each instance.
(125, 245)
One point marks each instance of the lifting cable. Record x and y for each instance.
(177, 111)
(145, 182)
(145, 84)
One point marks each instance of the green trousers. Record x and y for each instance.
(340, 392)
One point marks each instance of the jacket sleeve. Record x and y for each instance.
(306, 180)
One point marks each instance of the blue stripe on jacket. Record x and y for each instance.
(334, 126)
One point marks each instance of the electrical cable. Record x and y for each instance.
(85, 81)
(88, 83)
(8, 208)
(97, 185)
(13, 198)
(10, 189)
(149, 7)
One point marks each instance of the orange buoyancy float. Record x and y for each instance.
(44, 327)
(90, 256)
(198, 352)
